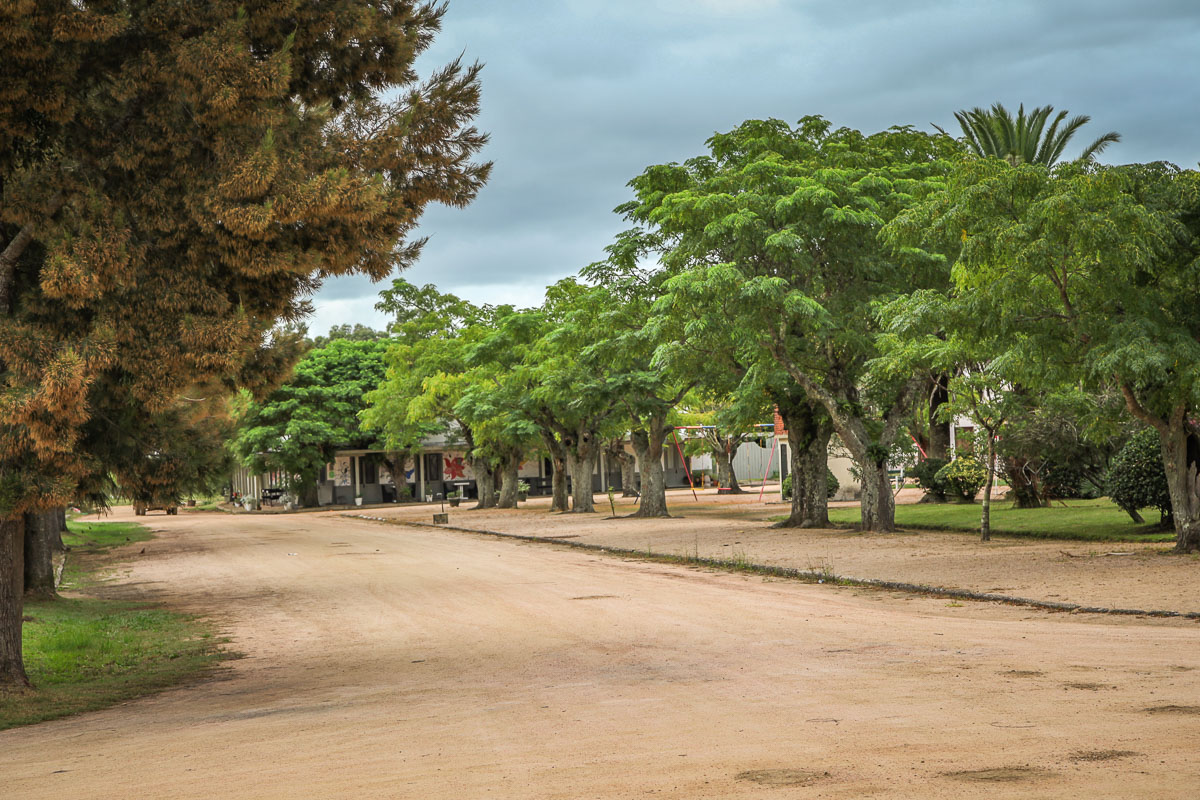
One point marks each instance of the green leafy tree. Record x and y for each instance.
(1092, 270)
(356, 332)
(934, 332)
(651, 364)
(734, 366)
(175, 178)
(779, 226)
(519, 392)
(428, 374)
(1025, 139)
(574, 386)
(299, 427)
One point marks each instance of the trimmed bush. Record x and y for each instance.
(963, 477)
(831, 484)
(1136, 478)
(926, 474)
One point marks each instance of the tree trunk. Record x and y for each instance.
(12, 580)
(558, 485)
(878, 505)
(939, 432)
(985, 515)
(1181, 460)
(41, 527)
(648, 445)
(60, 525)
(580, 466)
(723, 455)
(809, 431)
(485, 484)
(1024, 492)
(629, 480)
(558, 478)
(509, 479)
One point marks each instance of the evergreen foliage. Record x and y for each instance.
(176, 177)
(1136, 479)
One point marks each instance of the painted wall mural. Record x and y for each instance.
(342, 474)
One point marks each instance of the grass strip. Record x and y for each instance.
(1079, 520)
(86, 653)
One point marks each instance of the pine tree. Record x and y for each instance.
(174, 178)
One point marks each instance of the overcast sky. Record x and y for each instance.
(579, 96)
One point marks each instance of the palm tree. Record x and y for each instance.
(1024, 140)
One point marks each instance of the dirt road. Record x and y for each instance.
(393, 662)
(1097, 574)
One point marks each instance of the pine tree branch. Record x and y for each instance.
(14, 249)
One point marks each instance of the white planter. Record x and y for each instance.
(358, 501)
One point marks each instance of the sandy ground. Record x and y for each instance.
(1101, 574)
(387, 661)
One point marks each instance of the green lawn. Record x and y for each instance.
(1087, 520)
(84, 653)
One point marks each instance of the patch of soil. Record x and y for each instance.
(1172, 709)
(1091, 687)
(595, 597)
(999, 774)
(1024, 673)
(782, 777)
(1102, 755)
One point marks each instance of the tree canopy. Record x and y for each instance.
(176, 177)
(1025, 139)
(299, 426)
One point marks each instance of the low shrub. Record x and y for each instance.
(926, 474)
(1136, 478)
(963, 477)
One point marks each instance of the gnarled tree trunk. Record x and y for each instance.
(648, 445)
(1181, 460)
(41, 529)
(878, 505)
(629, 479)
(558, 478)
(581, 459)
(723, 455)
(485, 484)
(582, 501)
(1024, 491)
(809, 432)
(509, 481)
(12, 585)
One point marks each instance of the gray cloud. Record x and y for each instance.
(580, 96)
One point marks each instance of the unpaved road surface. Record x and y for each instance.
(1129, 575)
(385, 661)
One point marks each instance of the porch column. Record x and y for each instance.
(421, 477)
